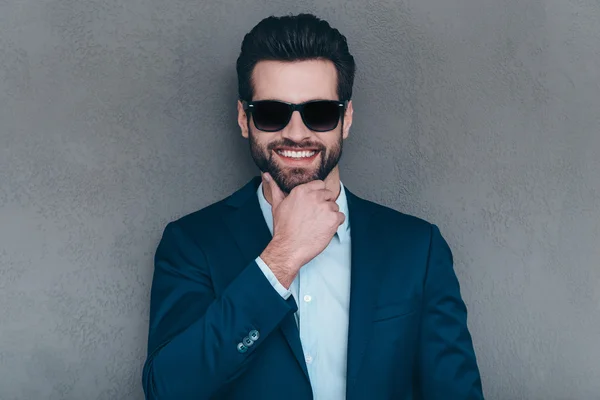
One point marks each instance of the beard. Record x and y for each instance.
(288, 178)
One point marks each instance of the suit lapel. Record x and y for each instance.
(364, 280)
(252, 235)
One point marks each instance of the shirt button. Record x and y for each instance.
(307, 298)
(308, 358)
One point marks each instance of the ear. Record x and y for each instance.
(242, 119)
(347, 119)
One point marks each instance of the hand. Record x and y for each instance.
(304, 223)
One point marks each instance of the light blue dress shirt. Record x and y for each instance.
(322, 291)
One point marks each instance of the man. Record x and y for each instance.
(293, 287)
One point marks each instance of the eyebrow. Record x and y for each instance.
(286, 101)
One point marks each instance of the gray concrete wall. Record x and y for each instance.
(119, 116)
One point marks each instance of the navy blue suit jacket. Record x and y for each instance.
(408, 336)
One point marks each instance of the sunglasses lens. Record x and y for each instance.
(270, 115)
(322, 116)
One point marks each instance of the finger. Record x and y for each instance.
(313, 185)
(333, 206)
(342, 217)
(325, 195)
(277, 195)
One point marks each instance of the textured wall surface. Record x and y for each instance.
(118, 116)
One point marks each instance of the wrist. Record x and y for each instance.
(281, 262)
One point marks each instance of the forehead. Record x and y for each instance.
(295, 81)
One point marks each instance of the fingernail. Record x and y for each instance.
(266, 177)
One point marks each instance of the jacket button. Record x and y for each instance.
(254, 335)
(247, 341)
(242, 348)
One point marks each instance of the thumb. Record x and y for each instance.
(277, 195)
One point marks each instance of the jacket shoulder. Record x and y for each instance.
(204, 219)
(396, 222)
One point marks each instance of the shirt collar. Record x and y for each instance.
(343, 230)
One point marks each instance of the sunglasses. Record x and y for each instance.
(317, 115)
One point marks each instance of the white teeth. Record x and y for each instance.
(296, 154)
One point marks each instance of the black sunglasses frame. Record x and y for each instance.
(249, 106)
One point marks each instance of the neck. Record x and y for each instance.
(332, 182)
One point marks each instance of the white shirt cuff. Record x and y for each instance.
(283, 292)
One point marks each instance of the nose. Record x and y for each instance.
(296, 130)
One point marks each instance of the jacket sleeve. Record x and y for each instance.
(447, 367)
(195, 338)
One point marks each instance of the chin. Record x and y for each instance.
(291, 180)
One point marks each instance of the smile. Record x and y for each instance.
(293, 157)
(296, 154)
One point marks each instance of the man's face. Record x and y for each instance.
(295, 82)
